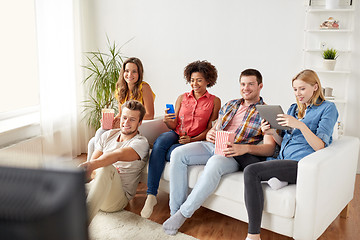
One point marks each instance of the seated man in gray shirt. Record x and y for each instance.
(119, 157)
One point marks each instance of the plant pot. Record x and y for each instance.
(329, 64)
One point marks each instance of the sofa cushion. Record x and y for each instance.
(279, 202)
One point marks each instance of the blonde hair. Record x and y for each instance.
(310, 77)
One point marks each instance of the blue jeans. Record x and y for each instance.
(284, 170)
(160, 153)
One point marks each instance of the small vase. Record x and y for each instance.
(331, 4)
(329, 64)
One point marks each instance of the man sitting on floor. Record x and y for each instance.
(119, 157)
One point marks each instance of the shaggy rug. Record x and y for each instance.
(127, 225)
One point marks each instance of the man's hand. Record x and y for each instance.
(89, 168)
(233, 150)
(210, 136)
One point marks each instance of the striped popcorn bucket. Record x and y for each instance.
(222, 137)
(107, 118)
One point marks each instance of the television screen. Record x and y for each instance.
(42, 204)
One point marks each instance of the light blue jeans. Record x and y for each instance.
(196, 153)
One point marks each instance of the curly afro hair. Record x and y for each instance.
(208, 71)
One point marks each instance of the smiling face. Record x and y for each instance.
(250, 89)
(198, 83)
(303, 91)
(129, 121)
(131, 74)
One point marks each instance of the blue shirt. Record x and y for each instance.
(319, 119)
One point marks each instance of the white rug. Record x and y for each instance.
(127, 225)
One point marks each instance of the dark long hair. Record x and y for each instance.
(121, 85)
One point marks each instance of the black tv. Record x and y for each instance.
(42, 204)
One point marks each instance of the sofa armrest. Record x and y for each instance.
(151, 129)
(325, 185)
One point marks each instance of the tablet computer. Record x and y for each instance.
(269, 113)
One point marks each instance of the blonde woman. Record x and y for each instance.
(312, 120)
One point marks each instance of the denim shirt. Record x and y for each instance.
(319, 119)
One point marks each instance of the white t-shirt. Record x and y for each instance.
(129, 171)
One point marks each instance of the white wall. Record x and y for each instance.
(233, 35)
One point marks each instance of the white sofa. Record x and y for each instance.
(303, 211)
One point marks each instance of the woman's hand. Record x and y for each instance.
(169, 117)
(116, 122)
(184, 139)
(314, 141)
(210, 136)
(266, 129)
(289, 121)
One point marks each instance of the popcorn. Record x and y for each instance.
(222, 137)
(107, 118)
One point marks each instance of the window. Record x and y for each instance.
(19, 91)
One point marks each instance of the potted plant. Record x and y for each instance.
(329, 55)
(103, 69)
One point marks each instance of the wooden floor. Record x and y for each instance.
(206, 224)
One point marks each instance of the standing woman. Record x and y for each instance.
(312, 119)
(130, 86)
(194, 113)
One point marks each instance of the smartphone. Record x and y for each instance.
(171, 108)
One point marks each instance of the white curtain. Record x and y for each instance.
(60, 90)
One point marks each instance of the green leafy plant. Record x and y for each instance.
(104, 70)
(329, 53)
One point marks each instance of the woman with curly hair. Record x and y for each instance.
(194, 113)
(130, 86)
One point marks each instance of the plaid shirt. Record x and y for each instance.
(249, 132)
